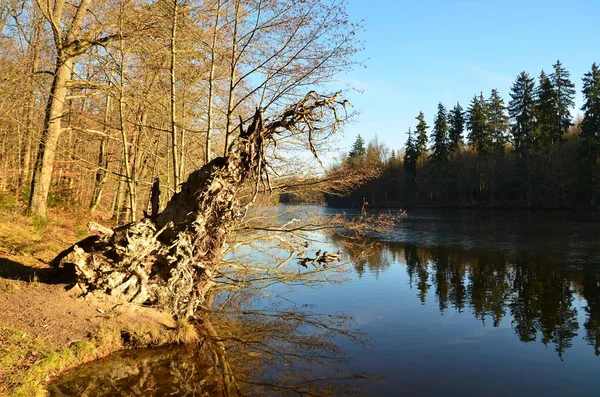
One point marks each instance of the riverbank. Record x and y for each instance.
(46, 329)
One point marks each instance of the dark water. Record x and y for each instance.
(469, 303)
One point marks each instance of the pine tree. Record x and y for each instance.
(440, 136)
(421, 140)
(520, 110)
(497, 121)
(477, 125)
(358, 151)
(456, 128)
(564, 91)
(410, 159)
(544, 110)
(590, 131)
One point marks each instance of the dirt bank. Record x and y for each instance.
(45, 328)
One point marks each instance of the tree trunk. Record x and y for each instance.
(103, 159)
(232, 74)
(30, 113)
(211, 82)
(174, 143)
(42, 173)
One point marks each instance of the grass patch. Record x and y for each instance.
(26, 363)
(9, 286)
(186, 332)
(108, 340)
(39, 223)
(40, 238)
(85, 350)
(8, 202)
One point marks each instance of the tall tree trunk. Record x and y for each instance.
(127, 166)
(174, 143)
(118, 200)
(66, 50)
(232, 74)
(103, 157)
(131, 188)
(44, 164)
(31, 105)
(211, 82)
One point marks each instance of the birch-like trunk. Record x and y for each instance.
(174, 138)
(44, 164)
(211, 83)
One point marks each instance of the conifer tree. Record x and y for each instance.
(456, 128)
(410, 158)
(497, 121)
(440, 136)
(477, 125)
(590, 131)
(421, 139)
(358, 151)
(544, 110)
(564, 91)
(520, 109)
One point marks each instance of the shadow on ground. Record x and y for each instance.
(12, 270)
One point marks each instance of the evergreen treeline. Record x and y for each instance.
(526, 153)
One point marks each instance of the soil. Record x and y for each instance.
(37, 302)
(32, 300)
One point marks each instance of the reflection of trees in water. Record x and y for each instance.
(591, 290)
(538, 296)
(267, 353)
(542, 304)
(365, 254)
(286, 351)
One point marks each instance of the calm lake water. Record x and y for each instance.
(452, 302)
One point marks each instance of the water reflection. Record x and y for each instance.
(535, 297)
(274, 351)
(496, 283)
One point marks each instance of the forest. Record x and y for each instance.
(529, 153)
(102, 98)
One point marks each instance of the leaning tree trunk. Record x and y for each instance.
(168, 259)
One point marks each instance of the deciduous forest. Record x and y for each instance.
(101, 98)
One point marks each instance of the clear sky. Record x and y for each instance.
(421, 52)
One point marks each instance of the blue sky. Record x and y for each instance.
(421, 52)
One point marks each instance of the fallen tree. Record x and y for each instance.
(169, 258)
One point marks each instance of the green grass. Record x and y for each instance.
(27, 363)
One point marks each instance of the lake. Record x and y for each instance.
(451, 302)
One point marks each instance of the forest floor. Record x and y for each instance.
(44, 328)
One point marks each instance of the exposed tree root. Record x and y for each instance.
(168, 259)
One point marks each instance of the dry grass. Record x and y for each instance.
(186, 332)
(9, 286)
(34, 238)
